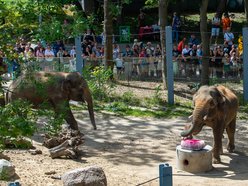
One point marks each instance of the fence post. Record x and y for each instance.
(79, 61)
(245, 63)
(165, 175)
(169, 63)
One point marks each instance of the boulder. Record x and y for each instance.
(7, 170)
(2, 156)
(88, 176)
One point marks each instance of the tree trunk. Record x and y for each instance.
(163, 19)
(221, 7)
(246, 12)
(205, 43)
(108, 33)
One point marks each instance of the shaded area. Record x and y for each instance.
(145, 142)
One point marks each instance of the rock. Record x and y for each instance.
(35, 151)
(7, 170)
(88, 176)
(2, 156)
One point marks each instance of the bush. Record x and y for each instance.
(18, 120)
(99, 82)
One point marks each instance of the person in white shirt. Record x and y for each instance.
(49, 54)
(119, 65)
(116, 51)
(186, 53)
(228, 38)
(215, 31)
(73, 52)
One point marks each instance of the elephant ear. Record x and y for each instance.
(65, 86)
(222, 98)
(218, 96)
(71, 80)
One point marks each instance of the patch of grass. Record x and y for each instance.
(243, 110)
(124, 109)
(167, 112)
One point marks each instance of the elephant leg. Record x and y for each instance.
(230, 130)
(221, 150)
(65, 109)
(71, 120)
(217, 149)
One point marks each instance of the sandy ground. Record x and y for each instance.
(130, 150)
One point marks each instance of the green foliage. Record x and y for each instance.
(40, 19)
(129, 98)
(99, 82)
(117, 107)
(243, 110)
(116, 8)
(151, 3)
(18, 120)
(123, 109)
(4, 174)
(157, 97)
(54, 122)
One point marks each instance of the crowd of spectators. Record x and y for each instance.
(144, 58)
(41, 50)
(224, 59)
(25, 52)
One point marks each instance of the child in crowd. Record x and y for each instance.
(119, 65)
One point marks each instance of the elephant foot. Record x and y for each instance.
(216, 160)
(73, 126)
(221, 151)
(230, 148)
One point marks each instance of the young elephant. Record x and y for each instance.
(56, 88)
(216, 107)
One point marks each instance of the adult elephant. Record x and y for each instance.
(55, 88)
(216, 107)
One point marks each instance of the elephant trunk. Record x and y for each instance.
(197, 123)
(87, 97)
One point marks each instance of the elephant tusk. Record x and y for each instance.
(190, 117)
(205, 117)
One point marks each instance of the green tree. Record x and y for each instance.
(111, 10)
(163, 20)
(221, 7)
(22, 19)
(108, 32)
(246, 11)
(205, 42)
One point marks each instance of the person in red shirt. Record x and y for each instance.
(181, 45)
(226, 22)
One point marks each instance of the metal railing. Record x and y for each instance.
(137, 68)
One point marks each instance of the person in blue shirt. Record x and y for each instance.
(193, 41)
(176, 24)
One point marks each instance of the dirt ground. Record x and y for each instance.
(129, 150)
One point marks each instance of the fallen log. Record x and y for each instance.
(63, 149)
(65, 144)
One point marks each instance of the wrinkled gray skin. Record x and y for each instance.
(216, 107)
(56, 88)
